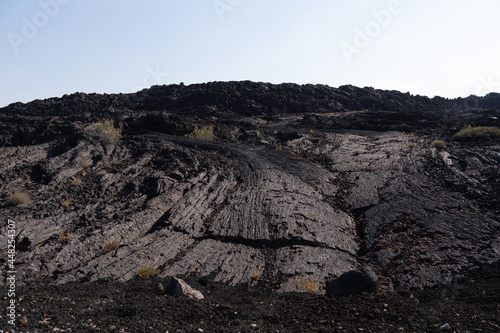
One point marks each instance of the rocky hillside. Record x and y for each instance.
(250, 182)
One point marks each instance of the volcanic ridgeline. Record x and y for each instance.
(298, 184)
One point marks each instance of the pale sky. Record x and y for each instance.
(50, 48)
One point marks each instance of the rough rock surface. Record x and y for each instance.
(299, 182)
(353, 283)
(179, 287)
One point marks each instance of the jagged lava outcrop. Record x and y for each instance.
(299, 182)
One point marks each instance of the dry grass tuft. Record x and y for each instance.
(19, 198)
(84, 163)
(479, 132)
(77, 182)
(204, 133)
(110, 247)
(147, 272)
(65, 203)
(256, 274)
(101, 172)
(65, 236)
(296, 157)
(308, 285)
(107, 131)
(439, 144)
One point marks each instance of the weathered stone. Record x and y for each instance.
(353, 282)
(178, 287)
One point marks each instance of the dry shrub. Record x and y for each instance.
(204, 133)
(308, 285)
(296, 157)
(479, 132)
(110, 247)
(65, 203)
(256, 274)
(19, 198)
(107, 131)
(84, 163)
(65, 236)
(439, 144)
(147, 272)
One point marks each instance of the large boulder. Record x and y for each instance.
(179, 287)
(353, 282)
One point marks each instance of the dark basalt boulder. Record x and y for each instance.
(353, 282)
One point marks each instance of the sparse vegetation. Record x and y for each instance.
(480, 132)
(65, 203)
(147, 272)
(312, 218)
(308, 285)
(65, 236)
(76, 182)
(255, 275)
(204, 133)
(439, 144)
(196, 270)
(84, 163)
(296, 157)
(101, 172)
(19, 198)
(114, 245)
(107, 131)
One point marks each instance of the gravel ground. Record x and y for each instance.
(106, 306)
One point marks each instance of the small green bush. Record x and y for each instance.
(19, 198)
(469, 132)
(107, 131)
(204, 133)
(440, 144)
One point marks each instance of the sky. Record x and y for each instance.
(49, 48)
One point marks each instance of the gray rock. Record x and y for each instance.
(353, 282)
(178, 287)
(445, 328)
(160, 289)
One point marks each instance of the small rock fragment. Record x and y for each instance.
(160, 289)
(445, 328)
(180, 287)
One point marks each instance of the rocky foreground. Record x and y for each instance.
(256, 190)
